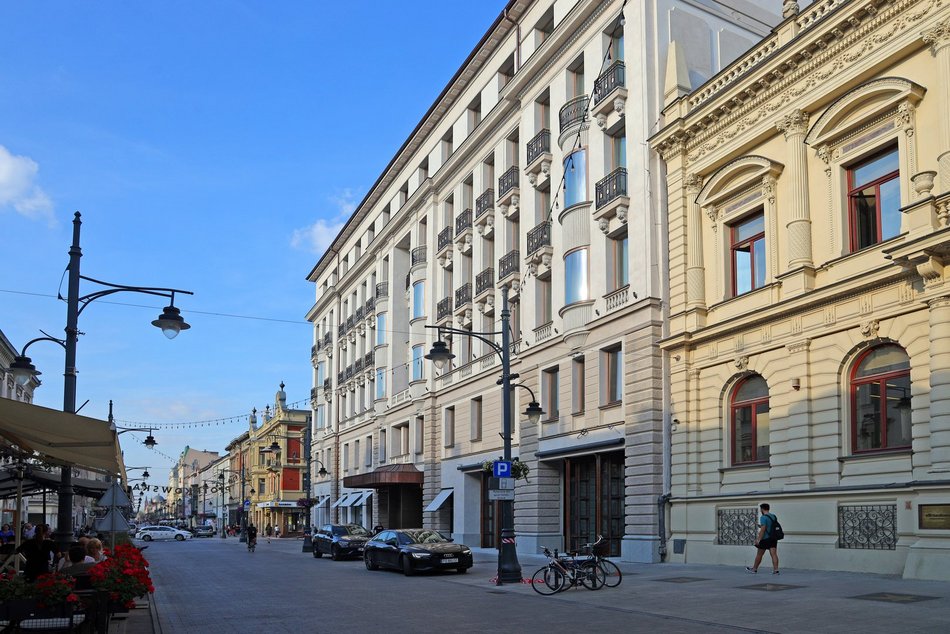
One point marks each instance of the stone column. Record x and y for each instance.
(794, 126)
(695, 273)
(939, 39)
(940, 384)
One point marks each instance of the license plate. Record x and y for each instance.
(450, 560)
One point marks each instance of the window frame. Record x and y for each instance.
(750, 241)
(550, 392)
(586, 281)
(612, 356)
(579, 167)
(881, 379)
(752, 404)
(853, 189)
(578, 385)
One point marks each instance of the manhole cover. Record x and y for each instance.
(894, 597)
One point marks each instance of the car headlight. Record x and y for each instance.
(466, 551)
(421, 555)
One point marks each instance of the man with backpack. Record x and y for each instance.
(770, 531)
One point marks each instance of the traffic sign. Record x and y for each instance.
(506, 483)
(502, 469)
(247, 505)
(501, 494)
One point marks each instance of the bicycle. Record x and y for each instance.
(611, 571)
(566, 571)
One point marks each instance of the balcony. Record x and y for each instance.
(326, 385)
(539, 159)
(314, 393)
(508, 193)
(443, 310)
(485, 214)
(369, 307)
(358, 366)
(572, 113)
(509, 268)
(463, 231)
(610, 96)
(418, 256)
(485, 291)
(463, 305)
(341, 330)
(314, 350)
(360, 313)
(611, 201)
(369, 360)
(382, 290)
(445, 248)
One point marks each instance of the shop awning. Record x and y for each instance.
(59, 438)
(439, 500)
(365, 495)
(322, 504)
(388, 475)
(37, 481)
(343, 500)
(580, 450)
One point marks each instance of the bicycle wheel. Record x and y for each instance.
(547, 580)
(591, 575)
(611, 571)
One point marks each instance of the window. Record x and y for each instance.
(874, 200)
(261, 486)
(575, 276)
(417, 358)
(346, 456)
(321, 373)
(381, 329)
(418, 300)
(577, 385)
(618, 263)
(880, 400)
(575, 178)
(750, 421)
(419, 435)
(369, 451)
(544, 307)
(549, 389)
(616, 43)
(382, 445)
(747, 238)
(575, 78)
(618, 152)
(476, 418)
(612, 375)
(448, 427)
(356, 455)
(321, 420)
(380, 383)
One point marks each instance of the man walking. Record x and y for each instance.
(765, 540)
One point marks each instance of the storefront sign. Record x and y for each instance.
(934, 516)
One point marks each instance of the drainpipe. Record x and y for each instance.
(517, 41)
(661, 503)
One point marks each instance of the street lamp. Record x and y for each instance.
(275, 448)
(509, 570)
(170, 322)
(243, 513)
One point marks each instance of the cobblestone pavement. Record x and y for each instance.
(214, 585)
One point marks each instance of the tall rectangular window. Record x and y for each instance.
(417, 359)
(576, 288)
(356, 454)
(544, 306)
(577, 385)
(380, 329)
(747, 246)
(382, 445)
(618, 152)
(476, 419)
(612, 375)
(448, 427)
(618, 263)
(321, 420)
(549, 391)
(418, 300)
(380, 383)
(369, 451)
(418, 434)
(575, 178)
(321, 373)
(874, 200)
(346, 456)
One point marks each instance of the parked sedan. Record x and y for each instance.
(148, 533)
(203, 531)
(415, 549)
(339, 541)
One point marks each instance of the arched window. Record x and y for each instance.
(880, 400)
(750, 421)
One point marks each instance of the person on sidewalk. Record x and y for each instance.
(765, 541)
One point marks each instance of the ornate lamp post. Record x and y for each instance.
(509, 569)
(170, 322)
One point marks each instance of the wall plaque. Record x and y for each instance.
(933, 516)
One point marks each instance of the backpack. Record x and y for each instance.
(775, 530)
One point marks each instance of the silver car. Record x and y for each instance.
(148, 533)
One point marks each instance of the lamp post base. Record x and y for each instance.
(509, 569)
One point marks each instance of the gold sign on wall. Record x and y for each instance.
(934, 516)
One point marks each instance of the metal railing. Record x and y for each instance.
(463, 222)
(574, 111)
(358, 366)
(313, 393)
(313, 350)
(444, 308)
(326, 384)
(341, 329)
(484, 280)
(360, 313)
(463, 295)
(539, 237)
(327, 339)
(509, 263)
(611, 187)
(445, 238)
(369, 306)
(382, 290)
(508, 180)
(484, 202)
(613, 77)
(540, 144)
(368, 360)
(418, 255)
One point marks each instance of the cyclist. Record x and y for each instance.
(251, 537)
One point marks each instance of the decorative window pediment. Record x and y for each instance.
(862, 106)
(736, 177)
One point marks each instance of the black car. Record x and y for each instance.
(415, 549)
(339, 540)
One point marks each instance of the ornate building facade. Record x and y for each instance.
(530, 174)
(808, 189)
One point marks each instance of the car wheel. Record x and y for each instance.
(316, 553)
(179, 538)
(335, 553)
(146, 538)
(407, 566)
(370, 565)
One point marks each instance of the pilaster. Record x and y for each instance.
(695, 271)
(795, 125)
(940, 385)
(938, 37)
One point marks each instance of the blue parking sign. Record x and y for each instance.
(502, 469)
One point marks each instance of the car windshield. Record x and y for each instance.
(356, 530)
(425, 537)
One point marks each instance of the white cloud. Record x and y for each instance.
(317, 237)
(19, 190)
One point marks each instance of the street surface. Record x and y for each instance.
(213, 585)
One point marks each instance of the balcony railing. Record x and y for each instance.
(350, 322)
(508, 264)
(348, 373)
(613, 77)
(445, 238)
(418, 255)
(327, 339)
(326, 384)
(313, 393)
(463, 295)
(540, 144)
(407, 281)
(313, 350)
(539, 237)
(508, 181)
(444, 308)
(360, 313)
(484, 281)
(382, 290)
(484, 202)
(341, 329)
(574, 111)
(463, 222)
(340, 377)
(369, 307)
(358, 366)
(611, 186)
(368, 360)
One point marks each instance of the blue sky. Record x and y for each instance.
(211, 146)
